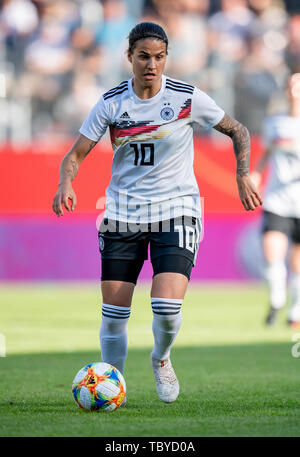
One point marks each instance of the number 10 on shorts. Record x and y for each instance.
(189, 240)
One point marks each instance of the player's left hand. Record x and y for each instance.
(249, 195)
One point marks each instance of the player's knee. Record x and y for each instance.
(112, 299)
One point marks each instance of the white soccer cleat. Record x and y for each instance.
(167, 385)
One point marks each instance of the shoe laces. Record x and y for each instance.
(164, 372)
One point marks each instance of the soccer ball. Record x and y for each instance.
(99, 386)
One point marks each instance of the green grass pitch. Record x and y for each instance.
(237, 377)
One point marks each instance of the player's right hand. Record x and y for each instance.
(249, 195)
(62, 197)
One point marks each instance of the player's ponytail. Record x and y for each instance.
(146, 30)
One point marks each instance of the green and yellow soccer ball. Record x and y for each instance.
(99, 386)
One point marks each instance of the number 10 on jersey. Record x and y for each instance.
(143, 153)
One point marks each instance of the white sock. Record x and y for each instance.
(165, 325)
(113, 335)
(294, 312)
(276, 274)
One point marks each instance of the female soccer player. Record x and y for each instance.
(153, 197)
(281, 219)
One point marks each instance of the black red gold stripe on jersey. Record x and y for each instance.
(131, 129)
(185, 110)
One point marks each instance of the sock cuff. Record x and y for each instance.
(116, 312)
(166, 300)
(166, 306)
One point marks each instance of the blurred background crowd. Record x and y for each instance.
(58, 56)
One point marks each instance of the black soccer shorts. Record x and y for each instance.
(173, 244)
(290, 226)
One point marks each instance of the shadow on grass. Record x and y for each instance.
(246, 390)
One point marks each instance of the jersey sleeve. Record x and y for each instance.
(97, 121)
(205, 111)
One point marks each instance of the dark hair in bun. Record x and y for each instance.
(146, 30)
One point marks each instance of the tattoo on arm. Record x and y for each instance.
(241, 142)
(69, 169)
(70, 165)
(92, 144)
(74, 170)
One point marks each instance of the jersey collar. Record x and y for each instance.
(148, 100)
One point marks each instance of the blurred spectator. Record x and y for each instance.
(91, 12)
(76, 104)
(112, 40)
(230, 29)
(293, 48)
(261, 74)
(50, 58)
(188, 46)
(270, 16)
(19, 16)
(58, 56)
(50, 50)
(19, 20)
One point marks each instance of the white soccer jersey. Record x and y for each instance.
(282, 192)
(152, 176)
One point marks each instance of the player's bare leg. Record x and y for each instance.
(167, 294)
(117, 293)
(169, 285)
(275, 246)
(294, 311)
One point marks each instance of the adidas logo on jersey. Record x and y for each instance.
(125, 116)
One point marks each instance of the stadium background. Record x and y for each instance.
(57, 57)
